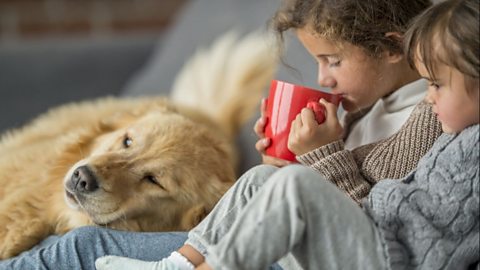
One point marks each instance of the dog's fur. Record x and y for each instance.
(151, 164)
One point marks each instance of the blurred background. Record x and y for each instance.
(56, 51)
(27, 19)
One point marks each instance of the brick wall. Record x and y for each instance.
(40, 18)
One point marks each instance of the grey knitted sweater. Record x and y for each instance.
(430, 219)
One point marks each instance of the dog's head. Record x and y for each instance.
(161, 171)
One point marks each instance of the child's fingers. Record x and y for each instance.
(296, 124)
(259, 127)
(262, 144)
(263, 107)
(330, 111)
(308, 117)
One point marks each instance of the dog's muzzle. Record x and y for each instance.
(83, 180)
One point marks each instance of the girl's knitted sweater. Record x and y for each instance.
(429, 219)
(356, 171)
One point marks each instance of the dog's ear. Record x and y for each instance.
(193, 216)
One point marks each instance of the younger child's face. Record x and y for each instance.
(455, 108)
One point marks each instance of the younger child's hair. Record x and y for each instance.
(362, 23)
(447, 33)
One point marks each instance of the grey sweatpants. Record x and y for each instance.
(270, 212)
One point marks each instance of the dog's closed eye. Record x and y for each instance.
(153, 180)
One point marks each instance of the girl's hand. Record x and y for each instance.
(306, 134)
(264, 142)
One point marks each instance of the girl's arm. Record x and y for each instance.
(356, 171)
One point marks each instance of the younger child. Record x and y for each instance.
(428, 220)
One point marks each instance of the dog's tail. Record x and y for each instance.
(227, 81)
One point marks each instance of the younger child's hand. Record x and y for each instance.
(264, 142)
(306, 134)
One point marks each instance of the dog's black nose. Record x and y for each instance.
(84, 180)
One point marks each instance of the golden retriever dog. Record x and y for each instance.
(143, 164)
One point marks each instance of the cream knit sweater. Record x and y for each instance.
(386, 116)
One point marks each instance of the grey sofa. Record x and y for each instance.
(39, 75)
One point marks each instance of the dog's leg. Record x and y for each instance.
(19, 231)
(193, 216)
(22, 238)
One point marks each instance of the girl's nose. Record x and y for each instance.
(327, 82)
(325, 79)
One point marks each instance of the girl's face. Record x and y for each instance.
(455, 108)
(349, 71)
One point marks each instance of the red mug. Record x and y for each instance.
(285, 101)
